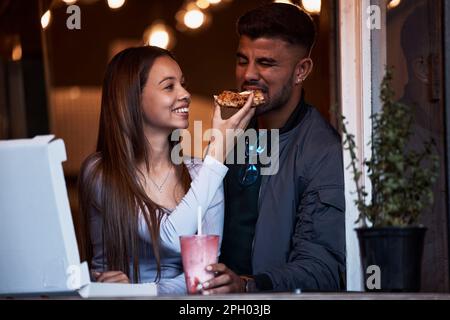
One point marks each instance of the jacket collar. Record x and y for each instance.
(296, 116)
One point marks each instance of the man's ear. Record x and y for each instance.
(303, 69)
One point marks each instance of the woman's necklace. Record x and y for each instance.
(160, 187)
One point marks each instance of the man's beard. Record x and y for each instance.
(278, 100)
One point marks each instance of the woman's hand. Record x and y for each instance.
(220, 146)
(111, 277)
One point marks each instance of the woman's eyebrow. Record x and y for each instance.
(167, 78)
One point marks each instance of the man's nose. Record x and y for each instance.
(251, 73)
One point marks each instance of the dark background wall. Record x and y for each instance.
(23, 98)
(207, 56)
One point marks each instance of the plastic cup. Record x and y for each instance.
(198, 252)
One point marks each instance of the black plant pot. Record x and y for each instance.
(398, 254)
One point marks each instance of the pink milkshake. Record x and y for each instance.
(198, 252)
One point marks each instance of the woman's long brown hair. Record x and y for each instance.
(121, 146)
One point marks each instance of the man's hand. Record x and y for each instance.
(226, 281)
(111, 277)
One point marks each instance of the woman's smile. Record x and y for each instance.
(182, 110)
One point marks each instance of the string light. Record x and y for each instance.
(202, 4)
(393, 3)
(116, 4)
(194, 19)
(159, 38)
(283, 1)
(45, 19)
(159, 35)
(312, 6)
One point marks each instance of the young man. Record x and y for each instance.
(285, 231)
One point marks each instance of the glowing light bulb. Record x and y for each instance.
(312, 6)
(116, 4)
(45, 19)
(159, 38)
(194, 19)
(283, 1)
(393, 3)
(202, 4)
(159, 35)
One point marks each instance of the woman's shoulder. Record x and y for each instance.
(90, 177)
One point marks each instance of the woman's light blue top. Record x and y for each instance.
(206, 191)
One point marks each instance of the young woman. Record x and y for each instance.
(135, 200)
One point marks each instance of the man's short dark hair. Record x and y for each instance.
(279, 20)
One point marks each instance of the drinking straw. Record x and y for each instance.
(199, 220)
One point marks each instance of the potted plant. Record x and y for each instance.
(390, 237)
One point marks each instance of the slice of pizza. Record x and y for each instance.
(237, 99)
